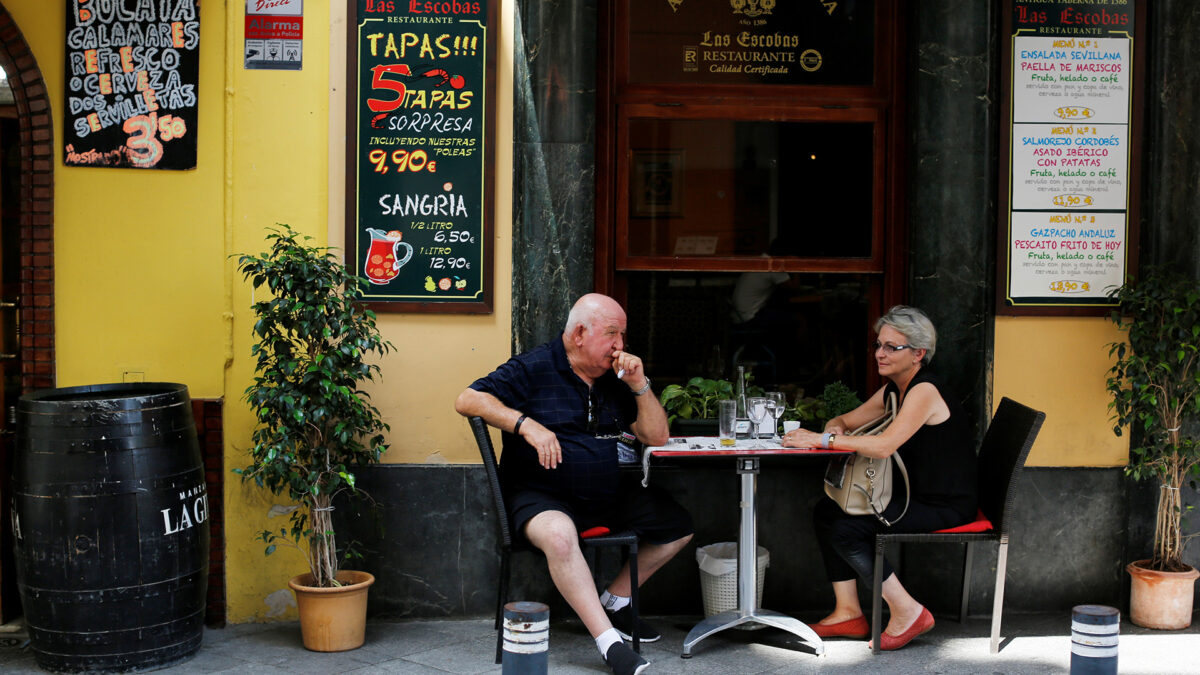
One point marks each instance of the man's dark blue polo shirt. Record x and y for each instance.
(587, 421)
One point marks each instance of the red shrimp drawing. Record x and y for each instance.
(456, 81)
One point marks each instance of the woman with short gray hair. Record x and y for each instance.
(931, 433)
(914, 325)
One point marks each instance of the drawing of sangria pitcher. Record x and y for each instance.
(383, 258)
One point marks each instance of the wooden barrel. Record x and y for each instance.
(110, 517)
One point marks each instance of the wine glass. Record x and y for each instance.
(777, 410)
(756, 408)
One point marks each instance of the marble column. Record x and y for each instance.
(952, 186)
(553, 164)
(1170, 198)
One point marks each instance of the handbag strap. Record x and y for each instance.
(907, 493)
(875, 427)
(907, 490)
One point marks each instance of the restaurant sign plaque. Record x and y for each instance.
(1071, 93)
(751, 42)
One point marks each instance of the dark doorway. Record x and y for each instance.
(26, 258)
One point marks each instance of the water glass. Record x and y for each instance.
(757, 408)
(777, 410)
(726, 422)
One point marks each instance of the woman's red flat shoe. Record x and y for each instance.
(922, 625)
(851, 628)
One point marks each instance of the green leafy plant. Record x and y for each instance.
(697, 400)
(315, 424)
(814, 411)
(1155, 388)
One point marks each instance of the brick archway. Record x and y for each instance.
(37, 206)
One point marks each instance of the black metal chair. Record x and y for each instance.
(626, 540)
(1001, 459)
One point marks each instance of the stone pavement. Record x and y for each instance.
(1033, 644)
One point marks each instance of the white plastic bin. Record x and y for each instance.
(718, 576)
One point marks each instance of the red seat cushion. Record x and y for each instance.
(980, 524)
(594, 532)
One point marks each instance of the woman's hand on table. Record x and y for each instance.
(801, 438)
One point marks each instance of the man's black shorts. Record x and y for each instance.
(649, 512)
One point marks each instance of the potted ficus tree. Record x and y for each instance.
(315, 425)
(1155, 388)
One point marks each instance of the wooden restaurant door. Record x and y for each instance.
(749, 190)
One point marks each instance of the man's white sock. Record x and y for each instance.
(613, 602)
(607, 639)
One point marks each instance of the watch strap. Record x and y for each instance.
(645, 388)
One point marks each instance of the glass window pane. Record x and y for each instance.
(796, 332)
(748, 188)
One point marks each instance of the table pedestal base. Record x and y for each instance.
(719, 622)
(747, 577)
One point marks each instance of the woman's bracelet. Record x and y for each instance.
(826, 439)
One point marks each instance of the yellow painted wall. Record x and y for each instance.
(139, 255)
(437, 355)
(144, 287)
(1058, 365)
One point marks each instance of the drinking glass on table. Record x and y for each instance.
(727, 422)
(777, 410)
(756, 408)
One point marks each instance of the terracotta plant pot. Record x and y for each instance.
(333, 619)
(1160, 600)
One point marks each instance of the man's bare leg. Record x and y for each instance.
(651, 557)
(554, 533)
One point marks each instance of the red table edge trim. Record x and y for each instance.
(749, 451)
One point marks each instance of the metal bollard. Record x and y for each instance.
(526, 638)
(1094, 631)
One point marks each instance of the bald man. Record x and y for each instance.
(563, 407)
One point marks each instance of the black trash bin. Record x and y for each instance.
(110, 517)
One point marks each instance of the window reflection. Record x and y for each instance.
(748, 188)
(794, 331)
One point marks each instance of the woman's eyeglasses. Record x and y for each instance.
(890, 348)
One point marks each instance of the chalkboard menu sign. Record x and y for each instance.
(132, 70)
(419, 222)
(1072, 76)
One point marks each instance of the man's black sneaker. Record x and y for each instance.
(623, 660)
(622, 620)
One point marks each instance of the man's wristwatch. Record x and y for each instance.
(644, 389)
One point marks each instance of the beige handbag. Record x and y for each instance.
(863, 485)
